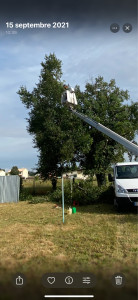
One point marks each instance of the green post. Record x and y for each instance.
(63, 199)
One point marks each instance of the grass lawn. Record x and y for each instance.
(33, 240)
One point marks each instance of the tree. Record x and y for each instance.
(62, 139)
(31, 173)
(14, 170)
(104, 102)
(131, 155)
(59, 136)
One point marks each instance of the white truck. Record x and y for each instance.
(125, 182)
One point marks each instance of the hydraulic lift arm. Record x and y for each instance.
(69, 98)
(118, 138)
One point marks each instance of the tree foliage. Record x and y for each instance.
(14, 170)
(59, 136)
(62, 139)
(104, 102)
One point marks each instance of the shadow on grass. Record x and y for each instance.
(128, 215)
(108, 209)
(38, 200)
(40, 191)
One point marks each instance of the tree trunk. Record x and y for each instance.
(101, 180)
(54, 183)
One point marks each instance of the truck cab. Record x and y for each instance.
(125, 182)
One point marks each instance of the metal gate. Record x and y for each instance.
(9, 188)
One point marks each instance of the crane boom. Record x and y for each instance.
(69, 98)
(115, 136)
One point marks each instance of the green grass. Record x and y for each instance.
(34, 239)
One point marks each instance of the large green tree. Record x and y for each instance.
(62, 138)
(104, 102)
(59, 136)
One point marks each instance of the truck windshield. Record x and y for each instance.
(127, 171)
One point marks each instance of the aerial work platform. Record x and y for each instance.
(69, 98)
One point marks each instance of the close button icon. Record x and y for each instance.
(127, 28)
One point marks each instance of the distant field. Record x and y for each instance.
(33, 240)
(40, 187)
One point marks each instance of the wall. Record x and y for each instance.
(2, 173)
(9, 188)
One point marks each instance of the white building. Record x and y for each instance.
(23, 173)
(76, 174)
(2, 173)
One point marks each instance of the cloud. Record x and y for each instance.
(85, 53)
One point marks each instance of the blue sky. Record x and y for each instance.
(86, 52)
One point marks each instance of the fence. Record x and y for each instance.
(9, 188)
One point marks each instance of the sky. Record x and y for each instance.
(87, 49)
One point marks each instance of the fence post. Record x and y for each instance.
(34, 186)
(63, 199)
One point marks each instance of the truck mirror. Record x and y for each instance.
(110, 177)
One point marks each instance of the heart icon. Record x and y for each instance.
(51, 280)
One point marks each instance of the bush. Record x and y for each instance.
(21, 184)
(56, 196)
(89, 194)
(24, 196)
(84, 193)
(36, 200)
